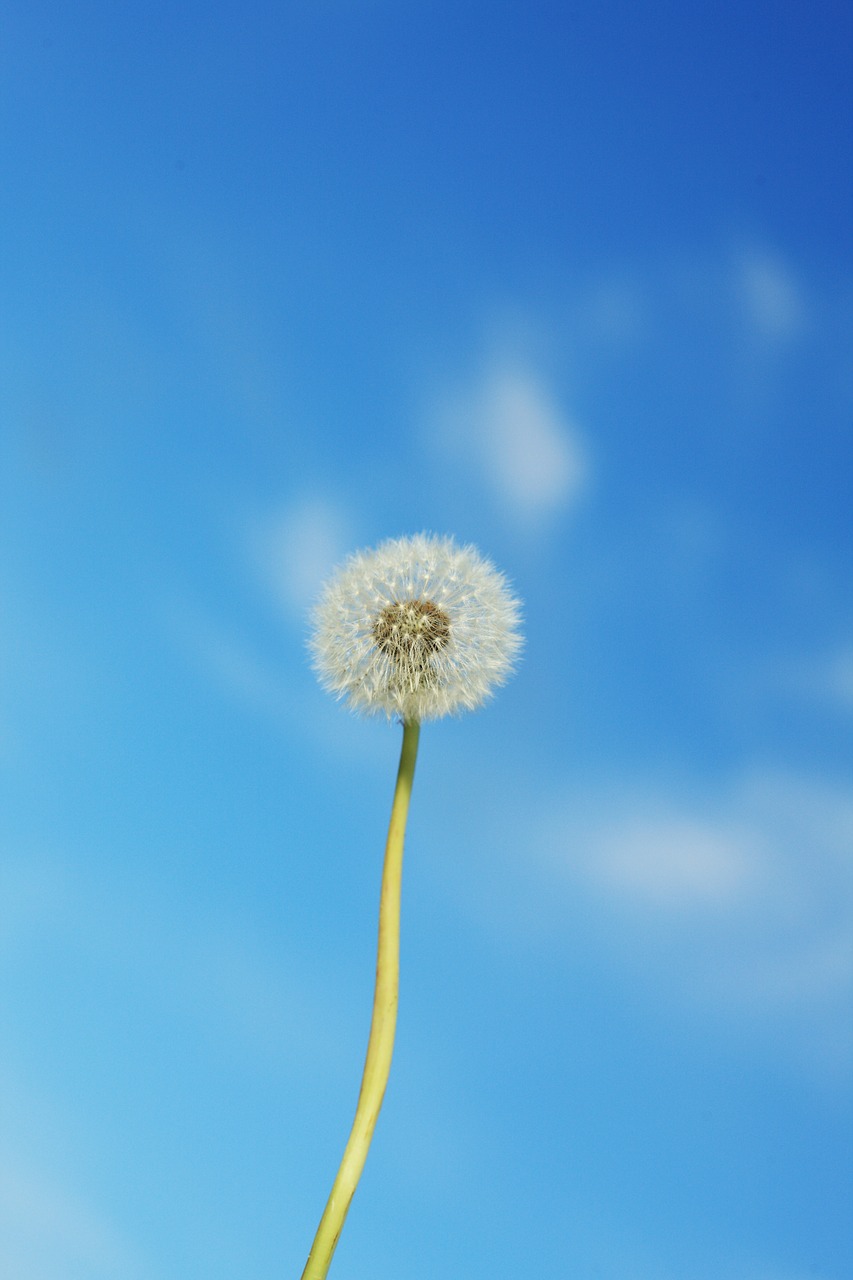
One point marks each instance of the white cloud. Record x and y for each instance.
(238, 997)
(510, 429)
(238, 670)
(614, 311)
(748, 906)
(290, 552)
(839, 678)
(750, 1271)
(770, 296)
(827, 679)
(673, 863)
(298, 546)
(739, 902)
(772, 841)
(205, 965)
(288, 698)
(49, 1233)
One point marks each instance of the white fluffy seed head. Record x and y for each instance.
(418, 628)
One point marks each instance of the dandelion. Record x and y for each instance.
(417, 629)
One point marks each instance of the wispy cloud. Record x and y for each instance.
(239, 996)
(50, 1233)
(282, 692)
(297, 546)
(770, 296)
(508, 428)
(206, 966)
(751, 1271)
(736, 900)
(613, 310)
(838, 678)
(749, 895)
(286, 555)
(237, 668)
(826, 680)
(672, 863)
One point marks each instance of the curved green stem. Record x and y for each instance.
(380, 1045)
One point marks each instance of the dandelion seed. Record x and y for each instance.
(418, 628)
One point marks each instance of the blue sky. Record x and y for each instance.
(570, 282)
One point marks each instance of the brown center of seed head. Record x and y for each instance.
(411, 632)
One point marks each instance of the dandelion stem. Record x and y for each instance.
(380, 1045)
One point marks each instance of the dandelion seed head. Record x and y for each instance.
(417, 628)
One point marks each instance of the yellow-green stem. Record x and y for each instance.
(380, 1045)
